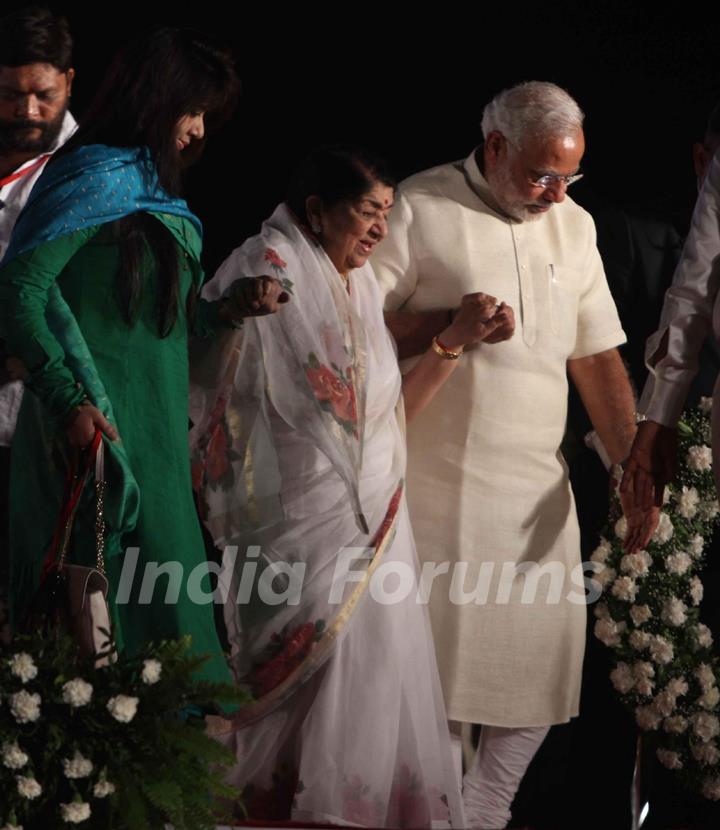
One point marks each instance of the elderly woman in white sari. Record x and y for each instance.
(299, 459)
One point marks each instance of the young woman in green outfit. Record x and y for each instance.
(98, 297)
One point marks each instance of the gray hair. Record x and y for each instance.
(534, 108)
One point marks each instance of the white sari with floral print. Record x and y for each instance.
(298, 459)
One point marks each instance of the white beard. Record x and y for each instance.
(506, 195)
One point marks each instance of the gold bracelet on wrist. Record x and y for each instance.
(444, 352)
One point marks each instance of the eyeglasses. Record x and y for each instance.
(549, 179)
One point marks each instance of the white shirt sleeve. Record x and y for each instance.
(672, 352)
(394, 264)
(598, 323)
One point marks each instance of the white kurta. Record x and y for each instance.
(12, 200)
(487, 486)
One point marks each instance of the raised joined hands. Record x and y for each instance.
(479, 319)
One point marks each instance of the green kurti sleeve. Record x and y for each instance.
(24, 285)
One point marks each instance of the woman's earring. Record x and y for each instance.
(316, 227)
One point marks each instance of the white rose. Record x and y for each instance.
(699, 458)
(664, 703)
(674, 612)
(622, 678)
(123, 708)
(641, 668)
(647, 718)
(624, 588)
(640, 614)
(661, 650)
(23, 667)
(687, 502)
(77, 766)
(696, 590)
(77, 693)
(667, 494)
(621, 527)
(12, 827)
(28, 787)
(709, 509)
(705, 676)
(75, 812)
(677, 724)
(608, 631)
(152, 669)
(669, 759)
(677, 687)
(705, 405)
(704, 636)
(710, 699)
(601, 611)
(25, 707)
(604, 577)
(645, 687)
(705, 753)
(640, 640)
(711, 788)
(13, 757)
(636, 564)
(696, 545)
(678, 563)
(602, 551)
(664, 531)
(706, 726)
(103, 789)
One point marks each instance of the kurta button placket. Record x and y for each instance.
(528, 314)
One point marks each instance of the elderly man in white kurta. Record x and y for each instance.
(488, 488)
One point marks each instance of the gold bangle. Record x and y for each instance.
(444, 352)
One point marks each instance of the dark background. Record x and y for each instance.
(413, 88)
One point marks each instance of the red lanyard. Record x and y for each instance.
(18, 174)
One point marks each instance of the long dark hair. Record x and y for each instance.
(162, 75)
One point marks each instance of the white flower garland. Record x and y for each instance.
(665, 669)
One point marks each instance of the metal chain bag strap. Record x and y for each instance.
(74, 596)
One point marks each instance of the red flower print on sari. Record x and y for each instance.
(272, 256)
(285, 652)
(335, 392)
(358, 804)
(408, 805)
(212, 462)
(279, 265)
(218, 462)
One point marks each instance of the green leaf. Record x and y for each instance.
(684, 430)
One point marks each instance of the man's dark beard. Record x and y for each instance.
(14, 137)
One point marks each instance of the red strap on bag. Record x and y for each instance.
(74, 486)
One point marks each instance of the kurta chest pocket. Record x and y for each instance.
(562, 291)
